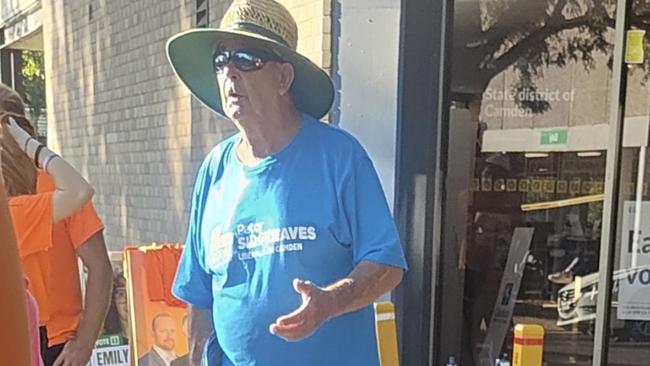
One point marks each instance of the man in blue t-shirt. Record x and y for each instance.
(290, 239)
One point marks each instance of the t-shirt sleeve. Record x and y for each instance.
(83, 224)
(32, 218)
(193, 283)
(44, 182)
(371, 226)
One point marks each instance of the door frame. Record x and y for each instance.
(612, 178)
(421, 115)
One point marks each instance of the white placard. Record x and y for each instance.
(634, 274)
(110, 350)
(111, 356)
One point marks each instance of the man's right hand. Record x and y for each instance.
(317, 306)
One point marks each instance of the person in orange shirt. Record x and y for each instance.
(13, 315)
(69, 335)
(73, 327)
(34, 214)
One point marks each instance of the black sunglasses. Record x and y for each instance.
(250, 59)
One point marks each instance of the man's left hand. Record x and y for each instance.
(317, 306)
(75, 353)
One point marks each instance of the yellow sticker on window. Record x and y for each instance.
(511, 185)
(486, 184)
(524, 185)
(634, 46)
(574, 186)
(499, 185)
(549, 185)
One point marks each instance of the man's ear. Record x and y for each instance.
(287, 74)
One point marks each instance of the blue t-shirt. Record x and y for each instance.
(312, 211)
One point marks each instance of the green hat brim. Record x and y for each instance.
(190, 54)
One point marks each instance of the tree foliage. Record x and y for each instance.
(532, 35)
(33, 74)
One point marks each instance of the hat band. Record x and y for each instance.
(254, 28)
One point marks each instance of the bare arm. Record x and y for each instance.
(99, 287)
(72, 190)
(200, 327)
(361, 287)
(364, 285)
(98, 292)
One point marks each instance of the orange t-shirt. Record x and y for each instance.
(32, 219)
(160, 265)
(64, 289)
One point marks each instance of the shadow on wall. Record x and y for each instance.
(120, 115)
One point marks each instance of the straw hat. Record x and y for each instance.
(190, 54)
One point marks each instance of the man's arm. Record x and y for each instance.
(200, 327)
(98, 292)
(361, 287)
(364, 285)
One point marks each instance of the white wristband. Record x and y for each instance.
(47, 161)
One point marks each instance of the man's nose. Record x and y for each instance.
(230, 71)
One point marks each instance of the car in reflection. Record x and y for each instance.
(579, 309)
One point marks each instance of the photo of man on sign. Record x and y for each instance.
(156, 318)
(164, 342)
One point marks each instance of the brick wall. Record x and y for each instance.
(118, 114)
(314, 29)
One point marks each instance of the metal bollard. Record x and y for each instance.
(386, 333)
(528, 345)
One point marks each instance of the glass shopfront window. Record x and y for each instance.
(629, 310)
(629, 326)
(525, 174)
(538, 142)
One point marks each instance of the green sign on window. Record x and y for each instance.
(554, 137)
(110, 341)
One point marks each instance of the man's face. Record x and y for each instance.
(164, 333)
(249, 94)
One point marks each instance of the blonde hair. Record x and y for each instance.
(18, 170)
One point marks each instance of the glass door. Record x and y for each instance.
(524, 189)
(626, 333)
